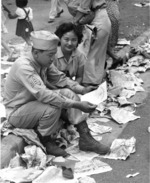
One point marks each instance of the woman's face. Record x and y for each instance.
(69, 41)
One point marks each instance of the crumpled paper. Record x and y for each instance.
(97, 96)
(89, 167)
(53, 174)
(122, 116)
(34, 157)
(19, 174)
(125, 80)
(86, 179)
(99, 129)
(77, 154)
(121, 149)
(127, 93)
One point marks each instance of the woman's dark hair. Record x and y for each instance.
(67, 27)
(21, 3)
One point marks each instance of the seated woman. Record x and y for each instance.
(68, 58)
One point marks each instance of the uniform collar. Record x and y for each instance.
(60, 53)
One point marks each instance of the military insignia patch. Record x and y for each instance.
(35, 81)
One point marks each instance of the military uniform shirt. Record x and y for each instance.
(27, 82)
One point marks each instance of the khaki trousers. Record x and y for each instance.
(44, 117)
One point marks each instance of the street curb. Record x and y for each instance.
(11, 144)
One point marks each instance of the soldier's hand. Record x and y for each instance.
(86, 107)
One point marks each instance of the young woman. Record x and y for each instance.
(68, 58)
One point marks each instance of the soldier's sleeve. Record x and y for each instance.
(34, 84)
(59, 79)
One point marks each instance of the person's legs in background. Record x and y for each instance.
(55, 10)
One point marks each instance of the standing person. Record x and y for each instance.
(55, 10)
(69, 59)
(24, 24)
(94, 70)
(36, 92)
(114, 15)
(4, 30)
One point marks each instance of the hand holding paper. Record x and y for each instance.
(97, 96)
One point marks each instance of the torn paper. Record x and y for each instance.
(80, 155)
(53, 174)
(132, 175)
(99, 129)
(89, 167)
(86, 179)
(97, 96)
(121, 149)
(122, 116)
(19, 174)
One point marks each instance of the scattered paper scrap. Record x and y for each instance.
(89, 167)
(122, 116)
(123, 41)
(132, 175)
(53, 174)
(86, 179)
(142, 4)
(97, 96)
(99, 129)
(80, 155)
(121, 149)
(19, 174)
(3, 110)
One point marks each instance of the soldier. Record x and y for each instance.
(36, 93)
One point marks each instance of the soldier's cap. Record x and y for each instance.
(44, 40)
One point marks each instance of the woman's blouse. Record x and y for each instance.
(72, 68)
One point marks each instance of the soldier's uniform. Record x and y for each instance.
(30, 103)
(34, 97)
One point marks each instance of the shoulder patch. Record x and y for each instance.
(35, 81)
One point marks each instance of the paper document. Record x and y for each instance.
(97, 96)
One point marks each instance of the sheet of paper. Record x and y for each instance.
(97, 96)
